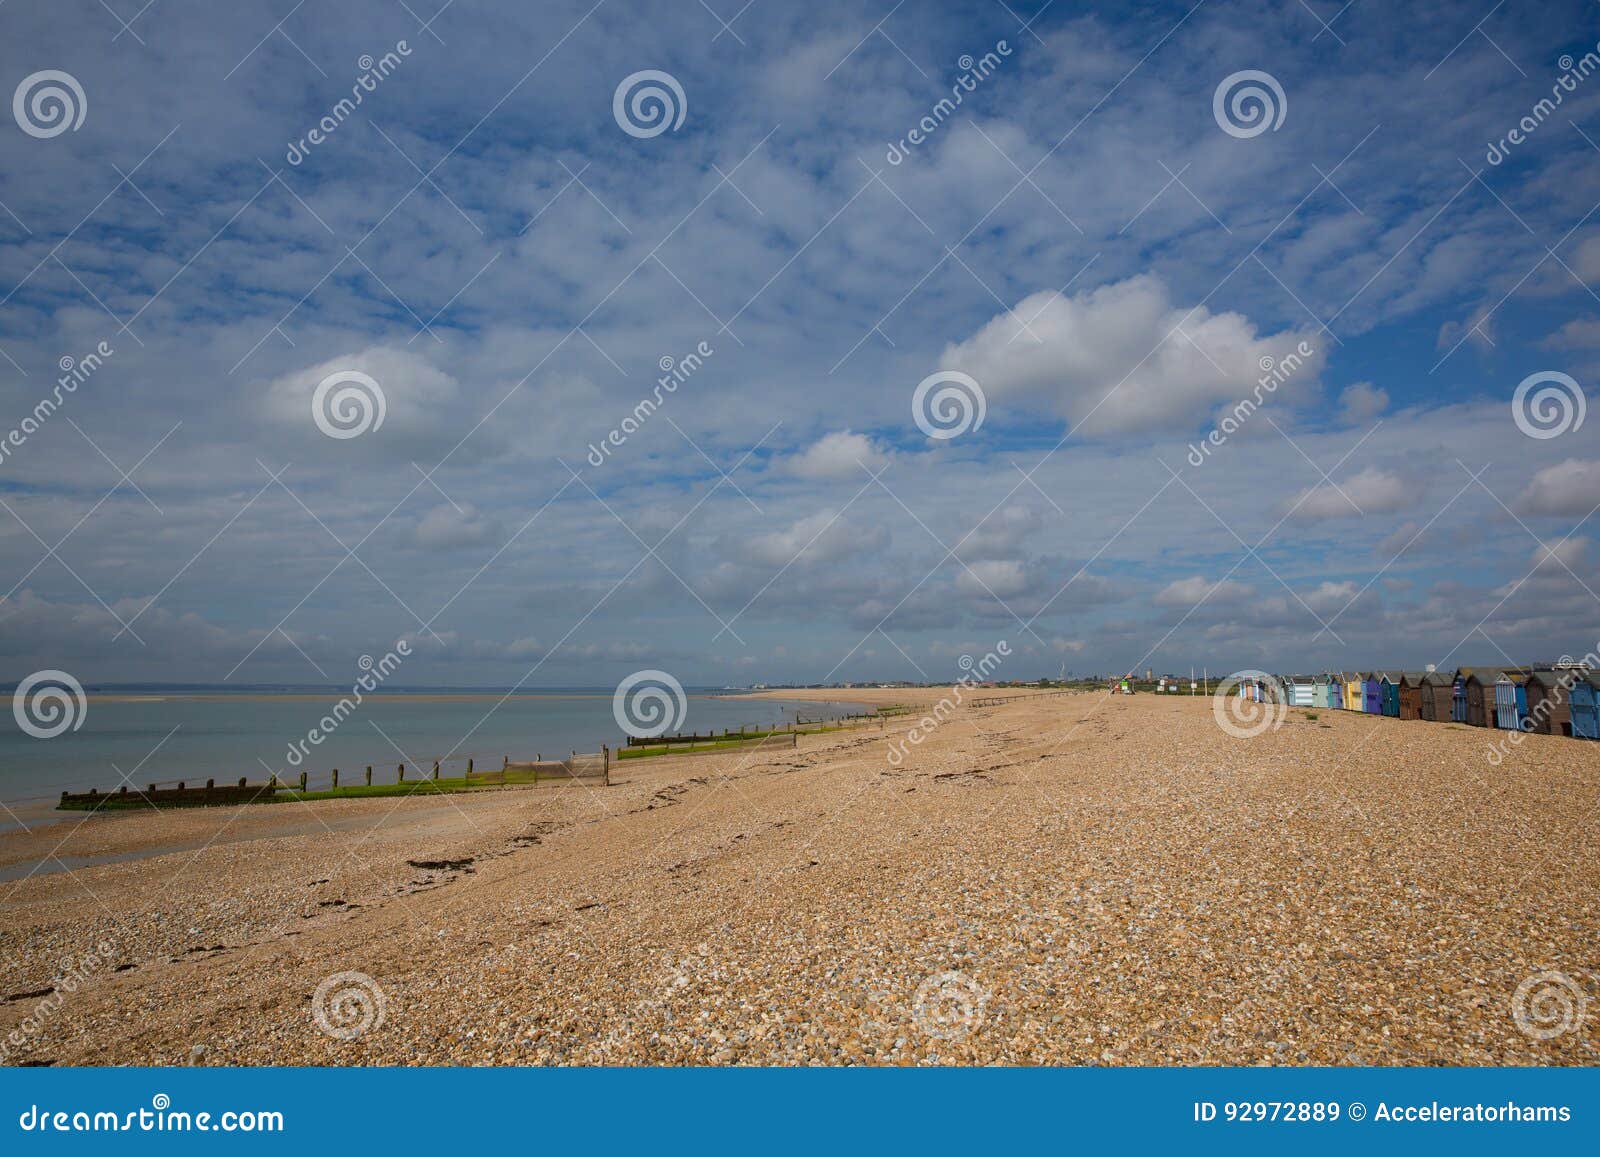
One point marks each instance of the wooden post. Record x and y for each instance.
(369, 775)
(336, 778)
(505, 763)
(64, 796)
(302, 781)
(210, 783)
(436, 769)
(796, 739)
(241, 781)
(122, 791)
(469, 768)
(150, 789)
(180, 785)
(400, 775)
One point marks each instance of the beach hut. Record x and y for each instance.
(1389, 694)
(1299, 691)
(1438, 698)
(1458, 696)
(1411, 683)
(1322, 691)
(1510, 700)
(1480, 697)
(1352, 691)
(1548, 710)
(1583, 704)
(1372, 693)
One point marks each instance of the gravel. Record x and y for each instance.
(1080, 879)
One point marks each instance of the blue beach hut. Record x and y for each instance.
(1584, 701)
(1389, 694)
(1458, 697)
(1510, 700)
(1372, 693)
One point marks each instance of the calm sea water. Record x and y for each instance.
(162, 739)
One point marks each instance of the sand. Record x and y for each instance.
(1079, 879)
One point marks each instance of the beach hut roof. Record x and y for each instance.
(1483, 674)
(1437, 679)
(1514, 675)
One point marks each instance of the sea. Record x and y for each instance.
(162, 736)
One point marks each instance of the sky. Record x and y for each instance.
(724, 340)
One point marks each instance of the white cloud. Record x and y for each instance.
(1192, 591)
(1373, 491)
(1125, 354)
(841, 454)
(416, 398)
(446, 526)
(1361, 402)
(1571, 487)
(1569, 552)
(1579, 333)
(820, 537)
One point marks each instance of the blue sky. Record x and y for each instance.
(1082, 238)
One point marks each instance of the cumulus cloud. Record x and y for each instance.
(1127, 355)
(1572, 487)
(1373, 491)
(449, 526)
(1565, 552)
(820, 537)
(1192, 591)
(412, 403)
(1579, 333)
(841, 454)
(1361, 403)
